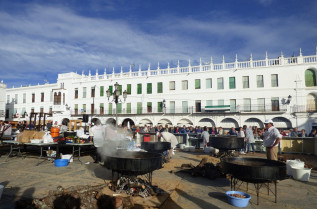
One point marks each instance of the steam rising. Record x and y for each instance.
(114, 140)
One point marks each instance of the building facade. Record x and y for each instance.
(226, 94)
(3, 88)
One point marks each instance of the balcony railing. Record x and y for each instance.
(280, 61)
(59, 108)
(2, 113)
(188, 110)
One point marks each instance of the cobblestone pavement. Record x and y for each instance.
(24, 180)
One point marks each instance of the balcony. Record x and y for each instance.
(59, 108)
(209, 110)
(2, 113)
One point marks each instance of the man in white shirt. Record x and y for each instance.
(271, 138)
(169, 137)
(99, 135)
(205, 135)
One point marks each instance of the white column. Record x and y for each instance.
(251, 61)
(223, 62)
(300, 59)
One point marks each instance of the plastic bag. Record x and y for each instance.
(80, 132)
(47, 138)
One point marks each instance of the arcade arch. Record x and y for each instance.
(227, 123)
(281, 122)
(253, 122)
(206, 122)
(164, 122)
(184, 121)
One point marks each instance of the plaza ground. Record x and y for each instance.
(24, 180)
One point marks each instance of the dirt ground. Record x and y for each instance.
(23, 180)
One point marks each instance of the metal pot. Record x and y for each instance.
(226, 142)
(157, 147)
(70, 133)
(133, 163)
(254, 169)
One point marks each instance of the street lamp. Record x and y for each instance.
(116, 99)
(164, 106)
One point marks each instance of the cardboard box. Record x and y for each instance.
(38, 135)
(27, 135)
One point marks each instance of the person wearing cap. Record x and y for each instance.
(271, 138)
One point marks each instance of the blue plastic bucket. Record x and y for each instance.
(237, 201)
(61, 162)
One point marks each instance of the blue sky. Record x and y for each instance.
(39, 39)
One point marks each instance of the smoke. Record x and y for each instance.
(114, 141)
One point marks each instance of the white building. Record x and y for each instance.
(3, 88)
(225, 94)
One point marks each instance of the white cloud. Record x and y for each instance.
(49, 40)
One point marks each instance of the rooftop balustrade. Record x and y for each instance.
(281, 61)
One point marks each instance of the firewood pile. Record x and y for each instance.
(227, 153)
(204, 168)
(134, 186)
(84, 197)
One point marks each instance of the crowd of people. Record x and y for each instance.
(271, 136)
(294, 132)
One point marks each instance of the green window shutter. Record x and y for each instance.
(197, 83)
(76, 106)
(149, 107)
(259, 81)
(139, 108)
(208, 83)
(159, 87)
(245, 80)
(84, 92)
(160, 107)
(185, 106)
(119, 106)
(128, 107)
(139, 90)
(149, 88)
(101, 91)
(120, 89)
(274, 80)
(110, 108)
(129, 89)
(219, 83)
(232, 82)
(111, 90)
(84, 107)
(233, 105)
(310, 78)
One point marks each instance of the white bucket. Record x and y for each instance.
(68, 157)
(192, 148)
(182, 146)
(301, 174)
(1, 190)
(293, 164)
(207, 149)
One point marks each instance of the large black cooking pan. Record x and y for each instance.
(157, 147)
(254, 169)
(133, 163)
(70, 133)
(226, 142)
